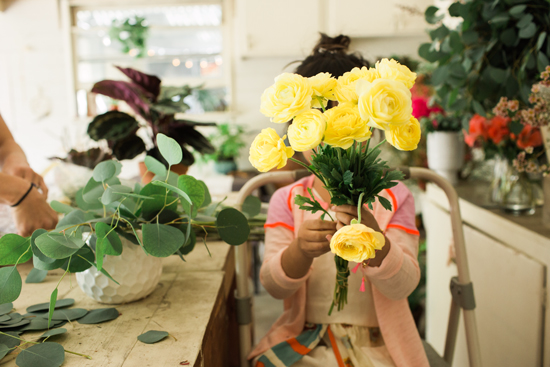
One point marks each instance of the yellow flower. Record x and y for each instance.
(345, 91)
(287, 98)
(268, 151)
(405, 137)
(344, 125)
(307, 130)
(391, 69)
(384, 103)
(323, 85)
(356, 242)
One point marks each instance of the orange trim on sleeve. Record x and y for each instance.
(408, 230)
(393, 199)
(335, 348)
(297, 347)
(290, 194)
(260, 364)
(279, 224)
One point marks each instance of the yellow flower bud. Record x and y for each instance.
(356, 242)
(405, 137)
(391, 69)
(345, 91)
(268, 151)
(323, 86)
(287, 98)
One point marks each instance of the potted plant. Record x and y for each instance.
(444, 144)
(157, 107)
(228, 142)
(118, 229)
(498, 50)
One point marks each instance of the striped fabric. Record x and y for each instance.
(292, 350)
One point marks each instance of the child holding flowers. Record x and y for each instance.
(376, 327)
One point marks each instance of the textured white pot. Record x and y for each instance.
(445, 151)
(137, 273)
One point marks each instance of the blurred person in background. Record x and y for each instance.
(22, 188)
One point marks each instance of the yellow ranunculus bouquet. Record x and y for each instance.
(352, 172)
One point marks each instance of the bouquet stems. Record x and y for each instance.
(341, 288)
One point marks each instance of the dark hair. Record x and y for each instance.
(330, 56)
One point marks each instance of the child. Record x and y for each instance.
(376, 327)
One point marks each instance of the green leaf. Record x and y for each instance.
(509, 37)
(53, 332)
(47, 265)
(470, 37)
(46, 354)
(440, 75)
(170, 149)
(425, 51)
(456, 42)
(207, 198)
(152, 336)
(5, 308)
(528, 32)
(161, 240)
(12, 247)
(65, 302)
(111, 242)
(517, 10)
(100, 315)
(4, 350)
(104, 171)
(251, 206)
(173, 189)
(430, 16)
(516, 127)
(94, 190)
(10, 339)
(58, 245)
(498, 75)
(80, 261)
(36, 323)
(153, 165)
(232, 226)
(61, 208)
(195, 190)
(51, 306)
(191, 241)
(114, 193)
(542, 61)
(439, 33)
(540, 40)
(385, 202)
(84, 205)
(103, 271)
(69, 314)
(348, 177)
(525, 21)
(36, 276)
(478, 108)
(75, 217)
(10, 284)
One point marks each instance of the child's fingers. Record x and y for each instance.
(350, 209)
(329, 237)
(320, 225)
(345, 218)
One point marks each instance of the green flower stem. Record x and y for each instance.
(320, 100)
(359, 207)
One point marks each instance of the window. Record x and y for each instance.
(184, 44)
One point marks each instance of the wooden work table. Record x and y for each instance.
(193, 302)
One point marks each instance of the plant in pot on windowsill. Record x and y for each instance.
(116, 235)
(444, 144)
(228, 142)
(156, 108)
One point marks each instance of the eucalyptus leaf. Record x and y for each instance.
(542, 61)
(114, 193)
(10, 284)
(161, 240)
(15, 318)
(104, 171)
(46, 354)
(69, 314)
(540, 40)
(61, 208)
(14, 249)
(517, 10)
(10, 339)
(14, 326)
(35, 324)
(108, 239)
(100, 315)
(430, 15)
(53, 332)
(153, 165)
(207, 198)
(65, 302)
(80, 261)
(252, 206)
(58, 245)
(528, 32)
(4, 350)
(232, 226)
(170, 149)
(195, 191)
(6, 308)
(174, 189)
(51, 305)
(4, 318)
(36, 276)
(152, 336)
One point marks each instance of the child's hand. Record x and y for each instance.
(312, 237)
(345, 213)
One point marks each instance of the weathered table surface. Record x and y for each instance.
(182, 304)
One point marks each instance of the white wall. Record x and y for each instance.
(33, 93)
(33, 79)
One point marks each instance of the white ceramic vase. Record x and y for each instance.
(137, 273)
(445, 151)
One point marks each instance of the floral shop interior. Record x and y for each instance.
(258, 183)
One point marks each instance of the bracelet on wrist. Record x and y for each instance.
(24, 196)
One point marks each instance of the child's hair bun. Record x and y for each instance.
(332, 44)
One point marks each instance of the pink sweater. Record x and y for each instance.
(392, 282)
